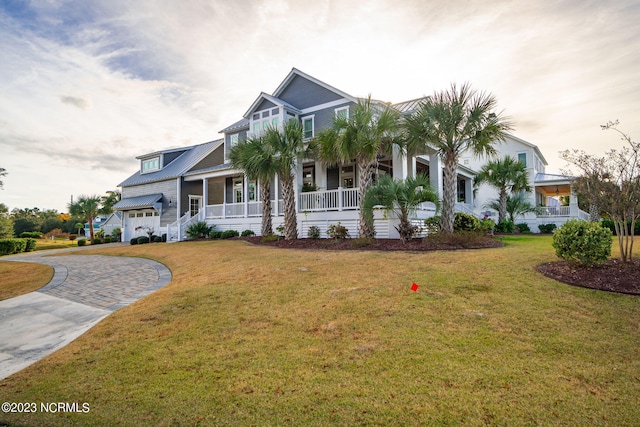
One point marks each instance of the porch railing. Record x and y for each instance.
(562, 211)
(240, 210)
(329, 200)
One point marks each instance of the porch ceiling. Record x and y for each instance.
(554, 190)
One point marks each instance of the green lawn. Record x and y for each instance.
(249, 335)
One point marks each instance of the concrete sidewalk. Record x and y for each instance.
(84, 290)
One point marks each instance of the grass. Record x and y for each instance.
(19, 278)
(257, 336)
(44, 244)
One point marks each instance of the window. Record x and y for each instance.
(307, 127)
(347, 176)
(233, 139)
(148, 214)
(342, 112)
(194, 204)
(132, 215)
(252, 191)
(522, 158)
(238, 190)
(274, 122)
(151, 165)
(256, 128)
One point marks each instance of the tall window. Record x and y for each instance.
(307, 127)
(342, 112)
(522, 158)
(233, 139)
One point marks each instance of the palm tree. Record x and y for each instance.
(370, 131)
(508, 175)
(451, 122)
(289, 148)
(516, 206)
(86, 207)
(401, 197)
(109, 200)
(258, 160)
(3, 173)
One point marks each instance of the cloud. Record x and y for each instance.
(81, 103)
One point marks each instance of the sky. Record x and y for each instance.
(86, 86)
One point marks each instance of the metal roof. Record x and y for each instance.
(243, 123)
(177, 167)
(140, 202)
(409, 106)
(541, 178)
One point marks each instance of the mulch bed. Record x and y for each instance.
(612, 276)
(414, 245)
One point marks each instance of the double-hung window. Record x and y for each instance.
(307, 127)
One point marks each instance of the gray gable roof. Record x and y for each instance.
(177, 167)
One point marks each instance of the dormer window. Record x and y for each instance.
(151, 165)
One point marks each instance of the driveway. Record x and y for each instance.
(84, 290)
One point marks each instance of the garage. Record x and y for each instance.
(141, 215)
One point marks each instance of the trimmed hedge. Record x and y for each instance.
(31, 235)
(134, 241)
(16, 246)
(227, 234)
(82, 242)
(546, 228)
(142, 240)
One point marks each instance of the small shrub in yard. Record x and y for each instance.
(270, 238)
(506, 226)
(338, 231)
(164, 237)
(227, 234)
(107, 239)
(142, 240)
(96, 241)
(215, 234)
(523, 227)
(31, 235)
(157, 239)
(487, 226)
(465, 222)
(198, 230)
(82, 242)
(583, 243)
(247, 233)
(31, 245)
(432, 225)
(546, 228)
(313, 232)
(133, 241)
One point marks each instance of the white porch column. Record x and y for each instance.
(321, 176)
(178, 199)
(435, 174)
(297, 187)
(399, 164)
(205, 194)
(573, 203)
(245, 180)
(468, 191)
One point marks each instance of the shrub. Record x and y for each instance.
(607, 223)
(164, 237)
(523, 227)
(227, 234)
(7, 246)
(338, 231)
(246, 233)
(134, 241)
(457, 240)
(198, 229)
(142, 240)
(487, 226)
(115, 234)
(506, 226)
(215, 234)
(31, 245)
(73, 237)
(546, 228)
(20, 245)
(280, 230)
(157, 239)
(313, 232)
(583, 243)
(270, 238)
(31, 235)
(107, 239)
(82, 242)
(96, 241)
(361, 242)
(432, 225)
(465, 222)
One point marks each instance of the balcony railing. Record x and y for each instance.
(329, 200)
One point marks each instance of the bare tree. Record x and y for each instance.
(612, 184)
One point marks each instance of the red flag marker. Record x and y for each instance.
(414, 287)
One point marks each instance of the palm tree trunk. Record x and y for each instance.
(91, 228)
(502, 204)
(365, 227)
(449, 193)
(265, 195)
(288, 196)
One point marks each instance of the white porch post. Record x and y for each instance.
(399, 164)
(205, 195)
(246, 195)
(297, 187)
(224, 199)
(468, 191)
(573, 203)
(321, 177)
(435, 174)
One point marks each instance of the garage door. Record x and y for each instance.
(143, 221)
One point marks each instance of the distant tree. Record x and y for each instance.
(3, 173)
(6, 223)
(50, 224)
(87, 207)
(451, 122)
(612, 184)
(22, 224)
(79, 226)
(368, 132)
(4, 210)
(507, 175)
(108, 201)
(401, 197)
